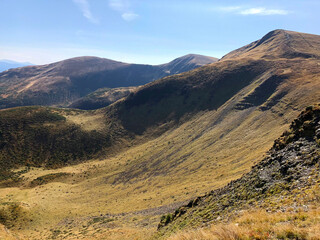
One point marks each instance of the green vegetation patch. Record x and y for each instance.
(13, 215)
(53, 177)
(41, 137)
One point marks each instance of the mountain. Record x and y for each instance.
(61, 83)
(290, 168)
(8, 64)
(239, 83)
(280, 44)
(163, 145)
(186, 63)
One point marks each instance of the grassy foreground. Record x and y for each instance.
(258, 224)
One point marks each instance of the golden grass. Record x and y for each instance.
(5, 234)
(91, 234)
(259, 224)
(87, 120)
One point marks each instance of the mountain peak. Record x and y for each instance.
(187, 63)
(280, 43)
(196, 58)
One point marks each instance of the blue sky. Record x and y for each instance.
(143, 31)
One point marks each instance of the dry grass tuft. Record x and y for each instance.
(221, 232)
(6, 234)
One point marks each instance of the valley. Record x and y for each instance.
(112, 172)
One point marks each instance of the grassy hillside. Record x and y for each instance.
(289, 173)
(174, 97)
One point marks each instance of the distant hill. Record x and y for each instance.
(186, 63)
(8, 64)
(61, 83)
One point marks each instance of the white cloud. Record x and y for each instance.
(85, 9)
(129, 16)
(253, 11)
(123, 7)
(263, 11)
(119, 5)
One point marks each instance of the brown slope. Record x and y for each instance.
(106, 96)
(52, 83)
(65, 81)
(265, 65)
(217, 123)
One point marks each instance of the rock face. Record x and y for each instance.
(292, 163)
(61, 83)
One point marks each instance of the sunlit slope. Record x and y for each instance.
(287, 179)
(222, 119)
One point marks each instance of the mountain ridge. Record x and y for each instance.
(280, 43)
(65, 81)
